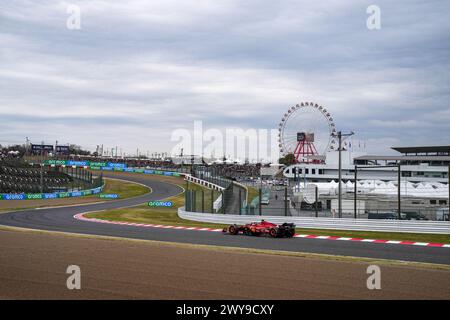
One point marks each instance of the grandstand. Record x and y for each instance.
(235, 171)
(17, 176)
(230, 170)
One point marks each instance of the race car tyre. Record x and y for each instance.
(273, 233)
(232, 230)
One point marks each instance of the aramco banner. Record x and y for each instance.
(58, 195)
(73, 163)
(109, 166)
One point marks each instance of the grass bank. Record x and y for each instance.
(123, 188)
(160, 215)
(252, 194)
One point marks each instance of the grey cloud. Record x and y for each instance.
(164, 64)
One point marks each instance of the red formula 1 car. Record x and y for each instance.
(261, 228)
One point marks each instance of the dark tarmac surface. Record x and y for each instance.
(61, 219)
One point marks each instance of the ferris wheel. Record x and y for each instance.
(306, 131)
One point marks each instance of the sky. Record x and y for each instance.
(137, 70)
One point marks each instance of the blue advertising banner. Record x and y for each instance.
(61, 195)
(117, 165)
(50, 195)
(78, 163)
(35, 148)
(137, 170)
(21, 196)
(97, 190)
(63, 149)
(93, 165)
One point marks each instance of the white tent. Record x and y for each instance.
(427, 190)
(379, 182)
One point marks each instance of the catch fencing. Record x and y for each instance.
(436, 227)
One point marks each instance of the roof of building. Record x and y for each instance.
(403, 158)
(423, 149)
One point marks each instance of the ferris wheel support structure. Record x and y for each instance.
(304, 151)
(307, 131)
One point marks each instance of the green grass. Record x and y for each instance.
(252, 194)
(124, 189)
(143, 214)
(207, 197)
(419, 237)
(160, 215)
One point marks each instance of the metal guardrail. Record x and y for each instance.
(438, 227)
(203, 183)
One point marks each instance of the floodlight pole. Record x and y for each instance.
(192, 165)
(42, 178)
(339, 135)
(340, 176)
(316, 189)
(356, 191)
(399, 193)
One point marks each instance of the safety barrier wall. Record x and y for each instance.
(438, 227)
(203, 183)
(246, 192)
(219, 201)
(56, 195)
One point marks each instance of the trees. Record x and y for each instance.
(287, 160)
(75, 149)
(20, 149)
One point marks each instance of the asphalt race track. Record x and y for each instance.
(61, 219)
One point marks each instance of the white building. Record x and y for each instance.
(418, 164)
